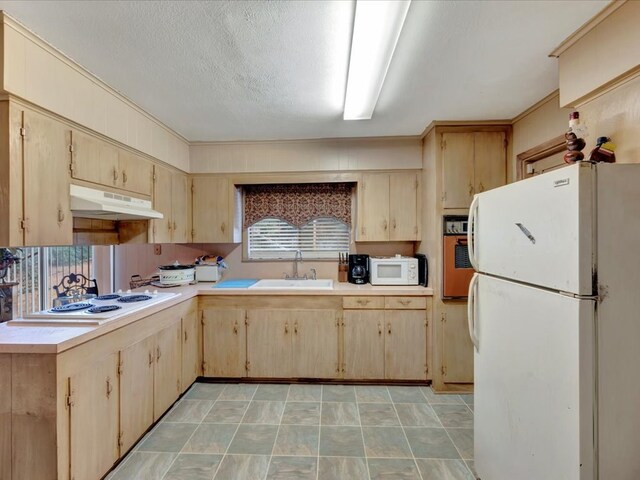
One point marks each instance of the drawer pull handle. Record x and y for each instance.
(60, 215)
(405, 302)
(286, 328)
(109, 387)
(235, 328)
(124, 178)
(158, 353)
(363, 302)
(115, 174)
(379, 329)
(150, 358)
(185, 336)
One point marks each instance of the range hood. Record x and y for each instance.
(92, 203)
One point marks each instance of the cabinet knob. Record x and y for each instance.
(60, 215)
(286, 328)
(481, 187)
(470, 189)
(175, 227)
(185, 336)
(295, 328)
(379, 329)
(394, 224)
(223, 227)
(150, 358)
(158, 353)
(235, 328)
(389, 328)
(384, 225)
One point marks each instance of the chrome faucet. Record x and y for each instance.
(296, 260)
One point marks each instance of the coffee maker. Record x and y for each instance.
(358, 269)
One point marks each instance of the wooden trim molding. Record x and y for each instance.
(544, 150)
(587, 27)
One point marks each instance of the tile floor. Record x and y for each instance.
(319, 432)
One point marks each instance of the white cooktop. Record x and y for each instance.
(97, 310)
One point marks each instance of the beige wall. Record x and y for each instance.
(307, 155)
(141, 260)
(36, 72)
(614, 114)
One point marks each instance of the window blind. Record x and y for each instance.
(321, 238)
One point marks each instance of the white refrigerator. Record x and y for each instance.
(554, 315)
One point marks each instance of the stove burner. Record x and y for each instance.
(134, 298)
(111, 296)
(70, 307)
(104, 309)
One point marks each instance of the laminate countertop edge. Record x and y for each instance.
(39, 339)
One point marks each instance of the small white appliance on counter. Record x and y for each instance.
(553, 316)
(207, 272)
(396, 270)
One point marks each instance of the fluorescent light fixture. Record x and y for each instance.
(376, 30)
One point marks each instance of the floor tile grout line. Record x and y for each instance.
(407, 438)
(234, 433)
(275, 440)
(175, 406)
(451, 439)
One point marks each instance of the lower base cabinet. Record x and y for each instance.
(224, 338)
(455, 347)
(93, 419)
(191, 344)
(168, 368)
(136, 390)
(389, 343)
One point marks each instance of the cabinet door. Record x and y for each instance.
(456, 349)
(136, 391)
(269, 343)
(403, 206)
(191, 353)
(363, 344)
(210, 217)
(224, 337)
(136, 173)
(180, 208)
(315, 344)
(166, 382)
(94, 160)
(490, 164)
(373, 208)
(457, 169)
(162, 202)
(94, 419)
(46, 181)
(405, 345)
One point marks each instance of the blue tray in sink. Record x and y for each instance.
(236, 283)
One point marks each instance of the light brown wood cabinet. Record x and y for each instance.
(34, 186)
(224, 337)
(389, 343)
(191, 344)
(168, 369)
(170, 198)
(456, 348)
(285, 343)
(93, 418)
(472, 162)
(98, 161)
(388, 207)
(136, 390)
(213, 217)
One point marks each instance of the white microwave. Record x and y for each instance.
(393, 270)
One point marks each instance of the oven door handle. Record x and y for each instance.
(471, 310)
(471, 247)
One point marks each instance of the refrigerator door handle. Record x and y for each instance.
(471, 310)
(471, 247)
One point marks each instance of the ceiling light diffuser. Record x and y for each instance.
(376, 30)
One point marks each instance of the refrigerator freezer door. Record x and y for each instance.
(534, 383)
(539, 231)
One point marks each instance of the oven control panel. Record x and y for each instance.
(455, 225)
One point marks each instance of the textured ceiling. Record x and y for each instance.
(236, 70)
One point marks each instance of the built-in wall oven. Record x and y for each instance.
(457, 269)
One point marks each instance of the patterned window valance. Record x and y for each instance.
(297, 204)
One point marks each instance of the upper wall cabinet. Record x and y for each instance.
(214, 218)
(170, 197)
(472, 162)
(388, 207)
(96, 161)
(34, 184)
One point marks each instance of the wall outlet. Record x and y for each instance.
(157, 249)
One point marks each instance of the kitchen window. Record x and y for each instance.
(40, 268)
(284, 218)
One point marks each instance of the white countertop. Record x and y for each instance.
(56, 339)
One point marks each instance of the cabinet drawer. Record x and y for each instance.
(363, 302)
(406, 303)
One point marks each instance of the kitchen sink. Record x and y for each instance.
(283, 284)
